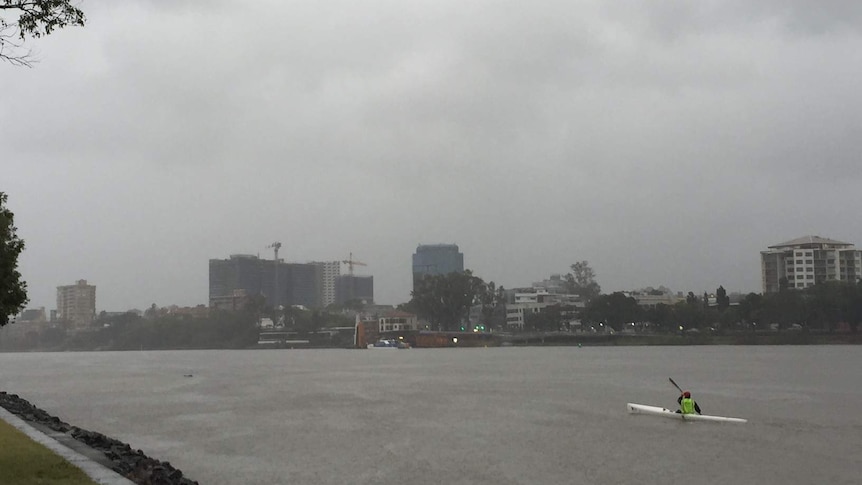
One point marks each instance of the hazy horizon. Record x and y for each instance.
(666, 144)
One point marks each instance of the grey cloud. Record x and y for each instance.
(636, 135)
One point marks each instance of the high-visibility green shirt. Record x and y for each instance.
(687, 405)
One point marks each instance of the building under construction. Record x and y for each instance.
(280, 283)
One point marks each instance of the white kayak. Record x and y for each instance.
(667, 413)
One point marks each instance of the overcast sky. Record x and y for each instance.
(666, 143)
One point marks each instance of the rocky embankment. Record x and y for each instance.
(130, 463)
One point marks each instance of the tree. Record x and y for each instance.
(13, 291)
(661, 316)
(548, 319)
(784, 308)
(721, 298)
(751, 307)
(689, 313)
(35, 18)
(582, 281)
(615, 310)
(833, 303)
(446, 299)
(493, 301)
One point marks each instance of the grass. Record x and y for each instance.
(23, 461)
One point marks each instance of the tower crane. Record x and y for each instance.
(275, 246)
(350, 262)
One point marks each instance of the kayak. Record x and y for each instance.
(667, 413)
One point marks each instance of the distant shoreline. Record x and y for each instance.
(739, 338)
(549, 339)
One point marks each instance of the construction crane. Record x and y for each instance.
(351, 263)
(275, 246)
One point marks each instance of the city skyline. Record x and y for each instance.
(666, 144)
(327, 265)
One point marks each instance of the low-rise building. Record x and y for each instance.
(650, 298)
(397, 321)
(35, 315)
(527, 302)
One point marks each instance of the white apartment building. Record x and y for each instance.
(397, 321)
(809, 260)
(533, 302)
(77, 303)
(330, 270)
(652, 300)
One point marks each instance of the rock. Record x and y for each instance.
(134, 465)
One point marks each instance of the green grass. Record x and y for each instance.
(23, 461)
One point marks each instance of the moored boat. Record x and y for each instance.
(389, 344)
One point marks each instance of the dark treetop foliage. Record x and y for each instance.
(446, 299)
(832, 306)
(13, 291)
(582, 281)
(35, 18)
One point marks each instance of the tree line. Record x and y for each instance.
(445, 301)
(156, 330)
(828, 306)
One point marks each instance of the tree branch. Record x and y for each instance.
(9, 48)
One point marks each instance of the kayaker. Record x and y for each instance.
(687, 405)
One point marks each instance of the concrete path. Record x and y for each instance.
(96, 471)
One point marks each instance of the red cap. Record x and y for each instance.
(686, 394)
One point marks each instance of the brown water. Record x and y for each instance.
(466, 416)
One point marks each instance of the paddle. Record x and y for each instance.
(680, 391)
(674, 384)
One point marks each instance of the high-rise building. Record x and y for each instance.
(239, 272)
(809, 260)
(76, 303)
(280, 283)
(331, 270)
(436, 259)
(305, 284)
(351, 287)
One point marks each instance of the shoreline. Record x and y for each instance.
(132, 464)
(532, 339)
(740, 338)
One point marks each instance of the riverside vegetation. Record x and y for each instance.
(825, 313)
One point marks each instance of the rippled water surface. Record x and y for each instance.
(466, 416)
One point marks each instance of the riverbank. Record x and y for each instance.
(624, 339)
(118, 456)
(23, 460)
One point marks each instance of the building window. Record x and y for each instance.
(809, 277)
(798, 261)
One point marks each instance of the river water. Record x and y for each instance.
(466, 416)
